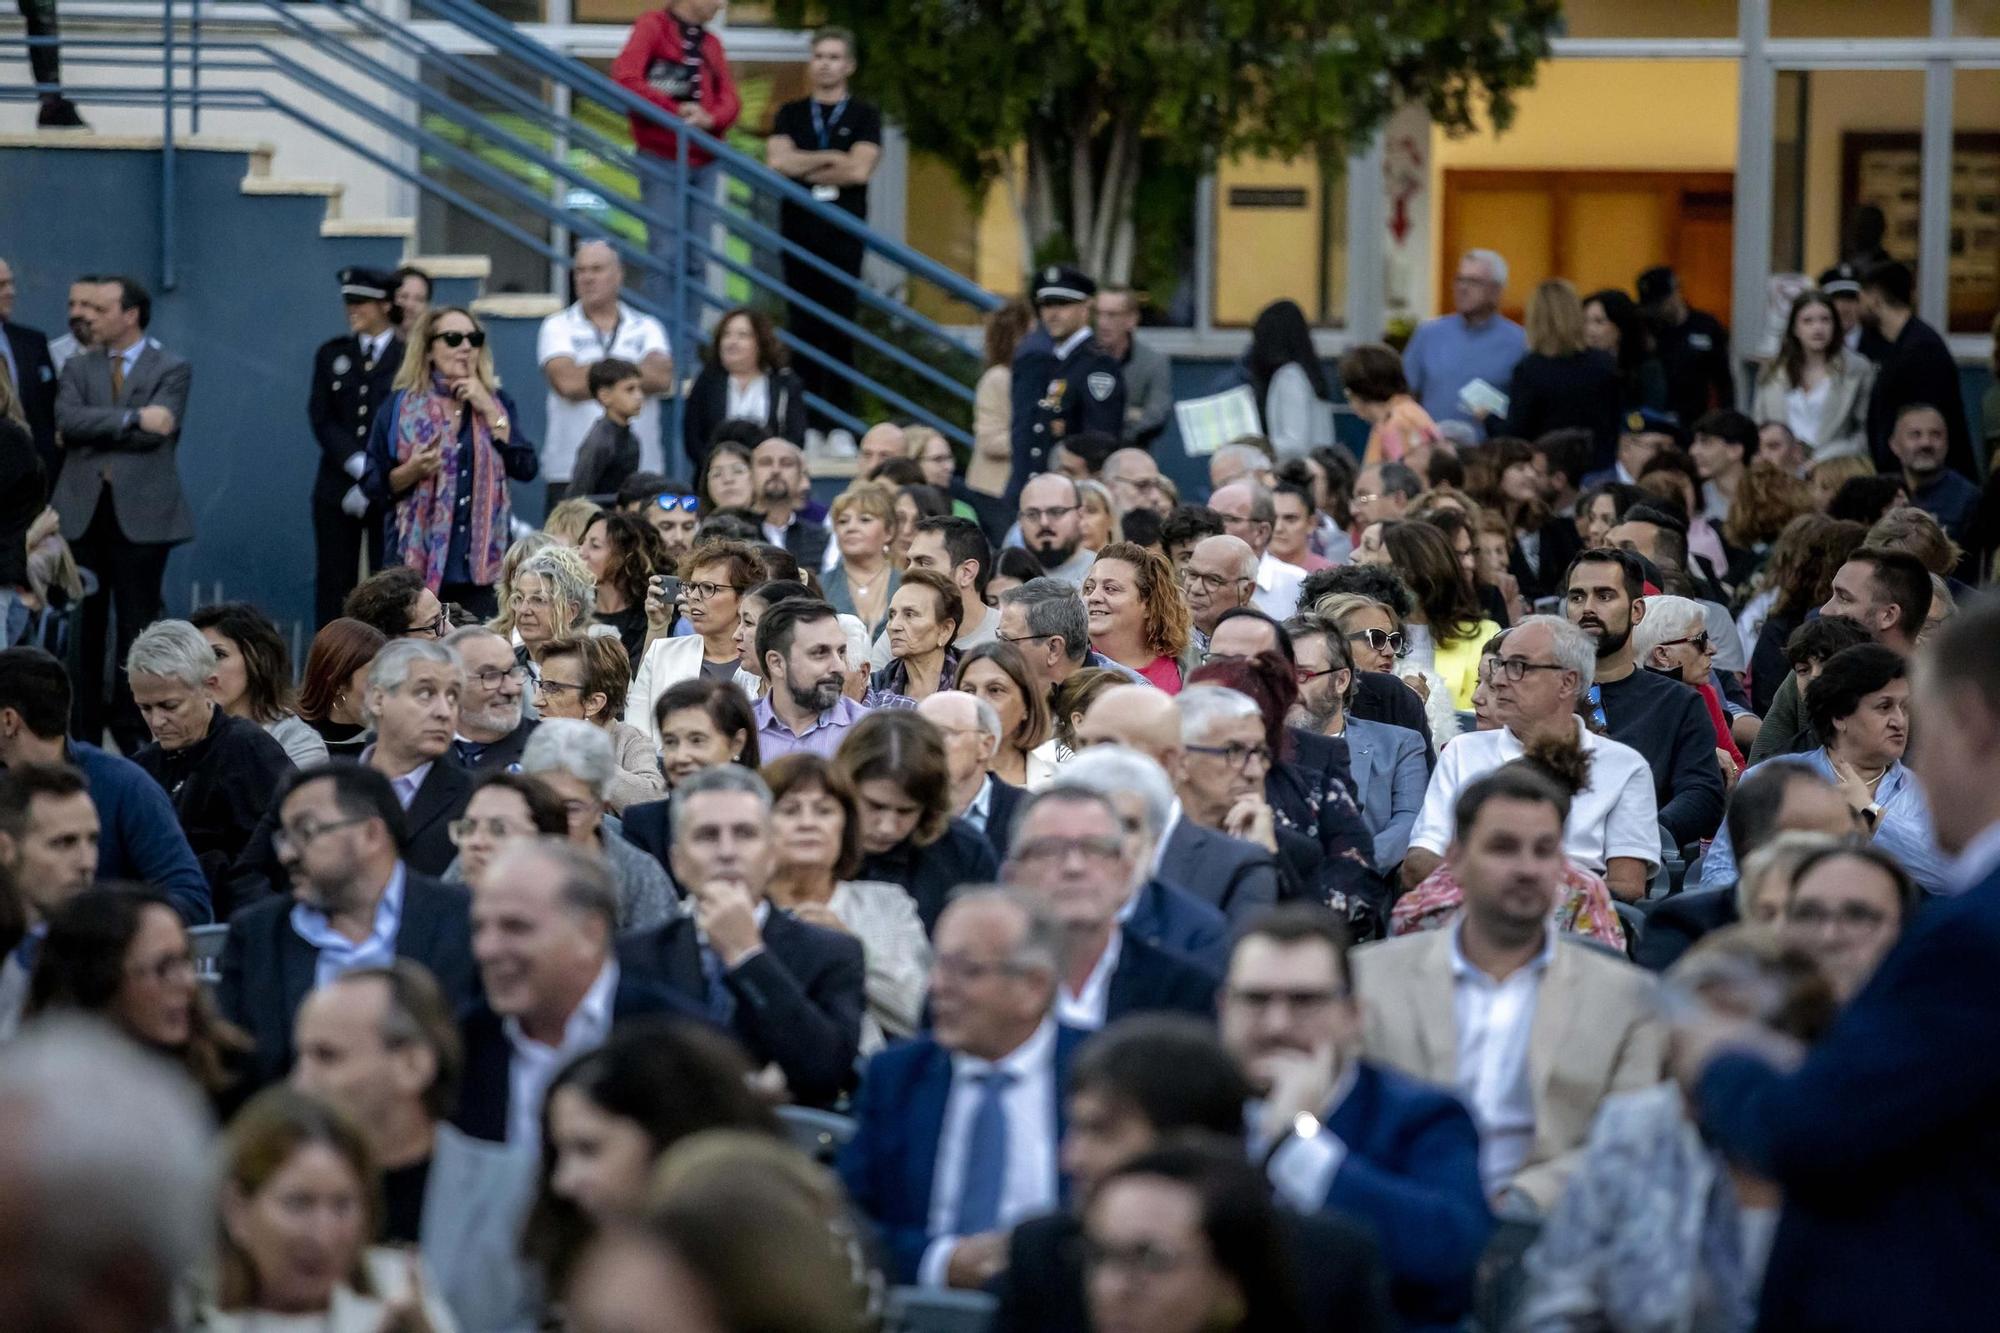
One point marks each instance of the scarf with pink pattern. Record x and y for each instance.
(421, 534)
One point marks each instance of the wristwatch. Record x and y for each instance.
(1873, 814)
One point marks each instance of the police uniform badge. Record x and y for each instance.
(1100, 383)
(342, 364)
(1052, 275)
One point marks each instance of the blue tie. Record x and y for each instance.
(985, 1157)
(720, 1001)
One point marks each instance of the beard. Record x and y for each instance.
(1609, 641)
(818, 696)
(777, 489)
(500, 718)
(1052, 554)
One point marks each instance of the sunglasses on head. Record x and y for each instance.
(454, 339)
(669, 501)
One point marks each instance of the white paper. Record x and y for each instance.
(1478, 396)
(1207, 424)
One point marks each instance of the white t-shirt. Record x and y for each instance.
(570, 333)
(1616, 815)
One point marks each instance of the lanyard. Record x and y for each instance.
(823, 124)
(605, 341)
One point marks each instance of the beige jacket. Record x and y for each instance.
(1597, 1031)
(992, 432)
(1843, 418)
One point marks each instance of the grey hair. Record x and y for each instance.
(391, 666)
(115, 1151)
(1574, 650)
(1042, 943)
(1246, 555)
(567, 578)
(1941, 596)
(983, 713)
(1120, 768)
(1782, 855)
(1666, 618)
(570, 745)
(1263, 509)
(584, 884)
(465, 634)
(718, 777)
(1496, 265)
(1202, 706)
(1069, 793)
(173, 649)
(1053, 606)
(1250, 456)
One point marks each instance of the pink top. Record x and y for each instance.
(1163, 672)
(1406, 426)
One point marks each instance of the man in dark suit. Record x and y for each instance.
(1917, 368)
(119, 411)
(1341, 1135)
(1883, 1138)
(971, 732)
(1143, 1080)
(792, 518)
(24, 358)
(1071, 852)
(352, 377)
(1235, 876)
(544, 923)
(340, 836)
(789, 991)
(957, 1132)
(492, 731)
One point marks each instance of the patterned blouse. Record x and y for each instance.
(1585, 908)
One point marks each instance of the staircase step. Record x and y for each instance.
(330, 190)
(519, 305)
(403, 227)
(258, 151)
(479, 267)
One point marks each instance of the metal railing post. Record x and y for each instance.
(683, 345)
(194, 67)
(167, 275)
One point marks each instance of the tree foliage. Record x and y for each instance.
(1055, 97)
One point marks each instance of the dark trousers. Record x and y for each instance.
(44, 61)
(128, 574)
(844, 252)
(338, 543)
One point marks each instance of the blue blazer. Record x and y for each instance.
(899, 1118)
(1412, 1173)
(1171, 918)
(1389, 777)
(649, 826)
(1000, 808)
(1886, 1140)
(1149, 979)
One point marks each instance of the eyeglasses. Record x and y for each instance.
(1855, 918)
(1302, 1001)
(490, 678)
(670, 501)
(1381, 640)
(1306, 677)
(1025, 638)
(462, 829)
(1029, 517)
(957, 967)
(433, 628)
(1141, 1259)
(1514, 668)
(1195, 578)
(538, 600)
(179, 967)
(302, 837)
(1235, 754)
(546, 685)
(701, 592)
(1060, 849)
(1700, 642)
(454, 339)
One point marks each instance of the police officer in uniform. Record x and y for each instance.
(352, 376)
(1064, 383)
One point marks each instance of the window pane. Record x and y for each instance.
(1975, 201)
(1850, 18)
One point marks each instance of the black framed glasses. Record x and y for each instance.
(490, 678)
(433, 628)
(1700, 642)
(1381, 640)
(302, 837)
(1305, 676)
(701, 592)
(1212, 583)
(669, 501)
(1053, 514)
(454, 339)
(548, 686)
(1514, 668)
(1235, 754)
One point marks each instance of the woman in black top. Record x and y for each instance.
(743, 377)
(1612, 325)
(1562, 383)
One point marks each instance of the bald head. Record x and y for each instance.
(1247, 512)
(598, 275)
(1137, 716)
(1220, 575)
(1134, 479)
(885, 440)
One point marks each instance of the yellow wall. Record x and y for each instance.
(1654, 115)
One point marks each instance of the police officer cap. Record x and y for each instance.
(366, 284)
(1842, 279)
(1060, 285)
(1652, 421)
(1655, 285)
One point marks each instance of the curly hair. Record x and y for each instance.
(1267, 679)
(746, 568)
(639, 552)
(385, 600)
(1804, 559)
(1168, 624)
(770, 352)
(570, 586)
(1767, 498)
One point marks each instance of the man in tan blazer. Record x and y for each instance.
(1531, 1027)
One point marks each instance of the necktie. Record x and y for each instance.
(406, 789)
(720, 1001)
(469, 752)
(117, 377)
(985, 1157)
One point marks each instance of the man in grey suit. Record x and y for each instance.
(380, 1043)
(119, 411)
(1387, 762)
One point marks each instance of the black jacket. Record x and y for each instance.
(1559, 545)
(1341, 1285)
(1579, 392)
(343, 405)
(707, 407)
(486, 1090)
(929, 874)
(649, 826)
(798, 1000)
(36, 386)
(267, 969)
(1236, 876)
(1000, 808)
(23, 492)
(1675, 923)
(1918, 368)
(1380, 697)
(1149, 979)
(220, 786)
(498, 757)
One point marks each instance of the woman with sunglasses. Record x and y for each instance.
(671, 509)
(447, 436)
(1673, 640)
(1374, 633)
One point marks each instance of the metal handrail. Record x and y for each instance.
(177, 59)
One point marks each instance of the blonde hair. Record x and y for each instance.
(915, 438)
(870, 497)
(510, 564)
(1096, 493)
(568, 521)
(1337, 606)
(416, 369)
(1555, 319)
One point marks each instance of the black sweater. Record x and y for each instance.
(220, 787)
(1668, 724)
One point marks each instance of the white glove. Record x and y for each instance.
(354, 504)
(356, 464)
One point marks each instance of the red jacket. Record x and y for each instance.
(657, 36)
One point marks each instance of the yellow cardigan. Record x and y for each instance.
(1458, 662)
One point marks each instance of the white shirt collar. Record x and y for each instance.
(1464, 969)
(1085, 1008)
(978, 810)
(588, 1024)
(1021, 1062)
(1071, 343)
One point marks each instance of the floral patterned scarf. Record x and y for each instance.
(421, 533)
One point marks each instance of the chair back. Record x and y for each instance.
(819, 1134)
(917, 1310)
(207, 944)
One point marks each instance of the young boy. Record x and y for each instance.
(610, 452)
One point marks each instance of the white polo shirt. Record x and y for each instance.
(1616, 815)
(570, 333)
